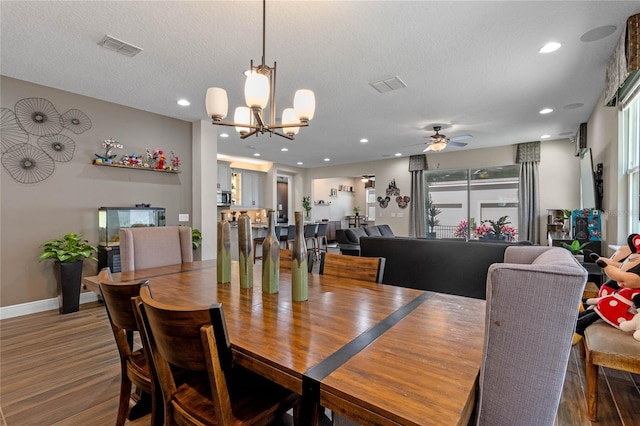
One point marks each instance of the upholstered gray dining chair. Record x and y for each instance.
(532, 307)
(150, 247)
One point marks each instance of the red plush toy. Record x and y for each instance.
(618, 300)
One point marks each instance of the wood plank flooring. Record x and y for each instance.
(64, 370)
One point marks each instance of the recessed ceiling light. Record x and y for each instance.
(598, 33)
(183, 102)
(327, 159)
(573, 106)
(363, 140)
(550, 47)
(256, 154)
(546, 110)
(398, 154)
(300, 163)
(224, 135)
(545, 136)
(284, 149)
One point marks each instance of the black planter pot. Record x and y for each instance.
(69, 278)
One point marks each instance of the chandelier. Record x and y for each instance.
(259, 91)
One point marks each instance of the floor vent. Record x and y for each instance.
(119, 46)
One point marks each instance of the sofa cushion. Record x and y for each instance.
(372, 231)
(385, 230)
(354, 235)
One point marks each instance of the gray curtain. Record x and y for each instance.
(528, 156)
(417, 218)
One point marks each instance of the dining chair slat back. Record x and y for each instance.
(362, 268)
(194, 338)
(135, 365)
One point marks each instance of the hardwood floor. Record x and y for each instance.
(64, 370)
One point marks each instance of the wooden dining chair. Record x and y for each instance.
(606, 346)
(135, 365)
(219, 393)
(360, 268)
(285, 260)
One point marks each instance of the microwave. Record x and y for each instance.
(224, 198)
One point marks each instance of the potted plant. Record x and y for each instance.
(196, 238)
(68, 253)
(432, 213)
(576, 249)
(306, 205)
(356, 210)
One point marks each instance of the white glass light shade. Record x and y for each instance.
(217, 103)
(437, 146)
(304, 102)
(256, 90)
(242, 116)
(289, 117)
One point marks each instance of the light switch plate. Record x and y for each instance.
(183, 217)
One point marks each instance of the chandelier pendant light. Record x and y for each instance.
(259, 92)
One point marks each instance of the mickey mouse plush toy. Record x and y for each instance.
(618, 301)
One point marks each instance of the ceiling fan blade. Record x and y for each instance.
(452, 143)
(460, 138)
(428, 148)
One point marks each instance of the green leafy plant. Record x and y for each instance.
(432, 213)
(70, 248)
(356, 210)
(575, 247)
(306, 204)
(196, 238)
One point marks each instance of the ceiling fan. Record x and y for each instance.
(438, 142)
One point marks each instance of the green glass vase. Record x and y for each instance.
(245, 250)
(299, 267)
(223, 261)
(271, 258)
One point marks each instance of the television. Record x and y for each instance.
(587, 182)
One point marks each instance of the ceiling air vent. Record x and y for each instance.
(388, 84)
(119, 46)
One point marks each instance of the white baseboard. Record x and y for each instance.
(40, 306)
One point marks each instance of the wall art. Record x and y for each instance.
(383, 201)
(32, 162)
(403, 201)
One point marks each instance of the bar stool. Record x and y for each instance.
(256, 241)
(310, 235)
(291, 235)
(321, 235)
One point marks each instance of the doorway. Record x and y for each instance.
(282, 198)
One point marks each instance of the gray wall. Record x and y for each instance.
(68, 201)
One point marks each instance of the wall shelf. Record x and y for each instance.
(324, 203)
(148, 169)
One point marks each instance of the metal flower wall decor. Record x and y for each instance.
(27, 162)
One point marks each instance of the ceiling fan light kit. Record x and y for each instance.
(438, 142)
(259, 91)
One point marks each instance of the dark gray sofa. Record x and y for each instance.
(349, 239)
(444, 266)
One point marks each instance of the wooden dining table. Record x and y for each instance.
(375, 353)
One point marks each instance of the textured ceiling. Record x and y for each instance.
(471, 66)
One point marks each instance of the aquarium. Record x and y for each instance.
(111, 219)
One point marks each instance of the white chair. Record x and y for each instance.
(150, 247)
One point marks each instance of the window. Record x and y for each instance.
(467, 199)
(630, 136)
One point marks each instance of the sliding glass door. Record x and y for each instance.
(479, 203)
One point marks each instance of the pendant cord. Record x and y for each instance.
(264, 25)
